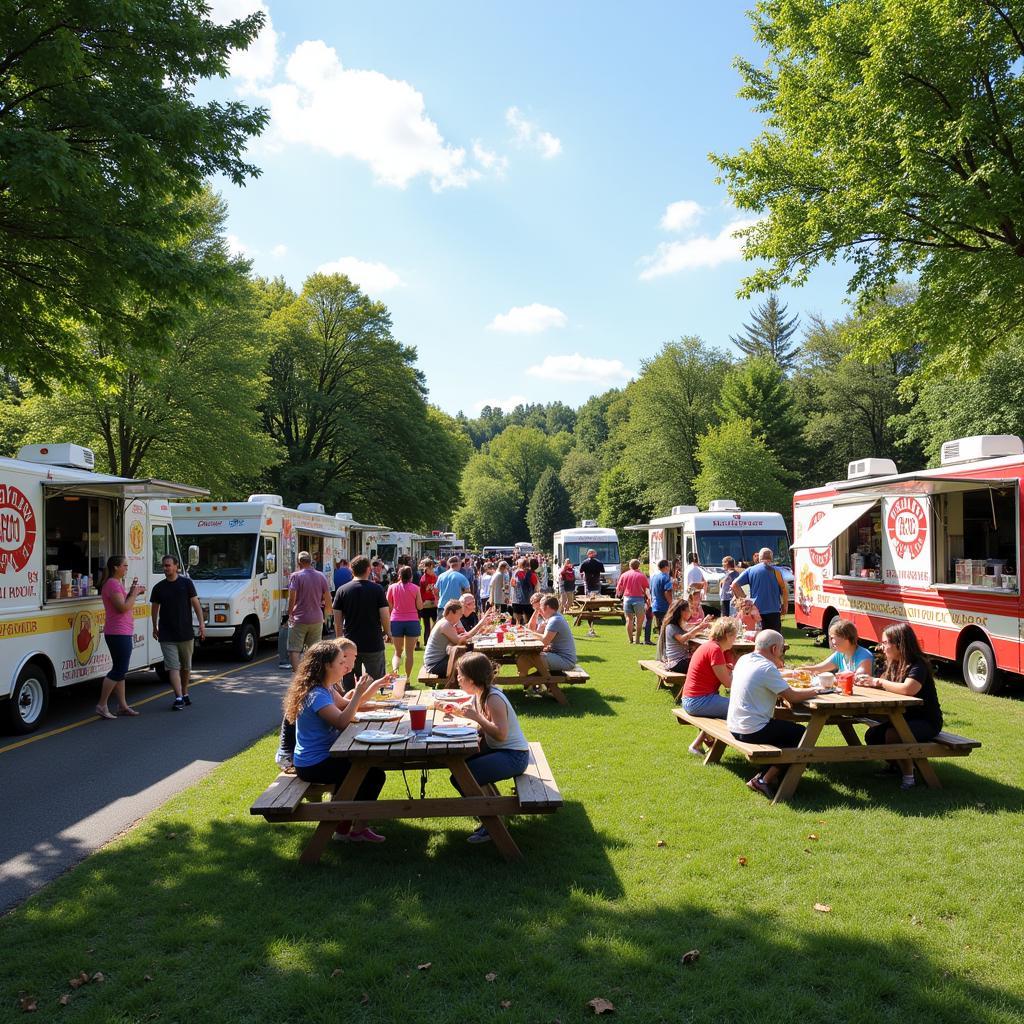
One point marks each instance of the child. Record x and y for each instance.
(749, 615)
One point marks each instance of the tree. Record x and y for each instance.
(592, 420)
(769, 334)
(102, 152)
(621, 502)
(548, 511)
(581, 476)
(489, 513)
(522, 454)
(736, 463)
(892, 141)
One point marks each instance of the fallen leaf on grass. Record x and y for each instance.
(79, 980)
(28, 1004)
(424, 967)
(98, 978)
(822, 908)
(172, 835)
(506, 1003)
(365, 999)
(813, 838)
(914, 919)
(661, 842)
(490, 976)
(742, 861)
(600, 1005)
(336, 972)
(64, 999)
(692, 956)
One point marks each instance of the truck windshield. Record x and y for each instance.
(387, 553)
(222, 556)
(742, 545)
(607, 551)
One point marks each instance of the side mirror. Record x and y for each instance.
(271, 563)
(193, 555)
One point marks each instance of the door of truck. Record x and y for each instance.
(268, 585)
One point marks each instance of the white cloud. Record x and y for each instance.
(530, 319)
(529, 133)
(695, 253)
(373, 278)
(236, 247)
(258, 62)
(505, 404)
(680, 215)
(581, 368)
(489, 160)
(279, 251)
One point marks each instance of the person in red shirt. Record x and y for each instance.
(710, 669)
(635, 590)
(428, 595)
(567, 586)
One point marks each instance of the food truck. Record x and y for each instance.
(724, 529)
(938, 548)
(240, 555)
(574, 544)
(59, 523)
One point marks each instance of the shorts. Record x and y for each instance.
(303, 635)
(568, 586)
(522, 609)
(437, 668)
(371, 662)
(120, 647)
(556, 663)
(410, 627)
(634, 605)
(778, 733)
(177, 654)
(711, 705)
(772, 620)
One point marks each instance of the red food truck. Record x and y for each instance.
(938, 548)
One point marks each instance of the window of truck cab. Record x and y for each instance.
(82, 532)
(222, 556)
(977, 536)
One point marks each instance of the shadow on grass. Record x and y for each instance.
(224, 924)
(583, 699)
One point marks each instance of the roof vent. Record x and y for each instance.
(70, 456)
(265, 499)
(312, 506)
(981, 446)
(723, 505)
(591, 523)
(684, 510)
(343, 515)
(862, 469)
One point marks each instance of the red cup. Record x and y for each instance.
(418, 718)
(845, 681)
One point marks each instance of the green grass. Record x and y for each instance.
(210, 904)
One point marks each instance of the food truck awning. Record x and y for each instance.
(638, 527)
(923, 483)
(838, 517)
(104, 486)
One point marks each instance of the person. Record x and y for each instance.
(443, 645)
(361, 611)
(524, 583)
(907, 672)
(172, 602)
(661, 592)
(308, 602)
(428, 595)
(559, 653)
(504, 751)
(678, 628)
(634, 588)
(748, 615)
(767, 588)
(566, 585)
(319, 710)
(469, 617)
(405, 603)
(730, 573)
(847, 654)
(591, 569)
(757, 684)
(536, 623)
(451, 584)
(342, 573)
(485, 586)
(118, 633)
(500, 586)
(710, 668)
(695, 575)
(376, 571)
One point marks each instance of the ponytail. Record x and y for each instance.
(112, 563)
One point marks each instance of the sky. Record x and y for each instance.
(525, 186)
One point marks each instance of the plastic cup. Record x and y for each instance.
(418, 718)
(399, 686)
(845, 681)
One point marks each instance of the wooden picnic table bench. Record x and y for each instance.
(866, 704)
(289, 799)
(666, 677)
(594, 608)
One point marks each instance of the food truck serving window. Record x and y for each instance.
(976, 540)
(80, 532)
(857, 551)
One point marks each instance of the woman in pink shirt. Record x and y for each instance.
(118, 632)
(635, 590)
(405, 602)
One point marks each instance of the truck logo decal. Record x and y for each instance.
(136, 537)
(819, 556)
(907, 526)
(17, 529)
(84, 636)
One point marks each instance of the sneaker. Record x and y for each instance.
(481, 835)
(284, 664)
(364, 835)
(698, 751)
(761, 786)
(906, 784)
(179, 704)
(284, 762)
(188, 700)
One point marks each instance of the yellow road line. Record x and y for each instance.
(145, 700)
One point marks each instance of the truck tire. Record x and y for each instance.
(245, 642)
(30, 699)
(979, 668)
(161, 673)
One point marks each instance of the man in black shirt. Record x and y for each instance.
(591, 570)
(361, 613)
(173, 601)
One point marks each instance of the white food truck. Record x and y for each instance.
(59, 523)
(724, 529)
(574, 544)
(246, 552)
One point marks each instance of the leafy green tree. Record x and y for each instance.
(102, 151)
(581, 477)
(769, 334)
(736, 463)
(489, 513)
(522, 454)
(592, 420)
(548, 510)
(892, 141)
(621, 502)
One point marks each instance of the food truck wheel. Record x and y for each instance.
(161, 673)
(245, 642)
(27, 706)
(979, 668)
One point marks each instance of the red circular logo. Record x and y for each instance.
(819, 556)
(907, 526)
(17, 529)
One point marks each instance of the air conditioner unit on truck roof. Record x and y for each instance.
(68, 456)
(981, 446)
(862, 469)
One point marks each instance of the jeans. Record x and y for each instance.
(495, 765)
(711, 705)
(334, 770)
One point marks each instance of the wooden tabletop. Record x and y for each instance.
(864, 700)
(488, 643)
(605, 600)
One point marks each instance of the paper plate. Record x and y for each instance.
(451, 695)
(378, 716)
(378, 736)
(454, 732)
(435, 737)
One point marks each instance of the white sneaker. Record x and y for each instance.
(284, 762)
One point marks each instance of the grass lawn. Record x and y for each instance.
(203, 914)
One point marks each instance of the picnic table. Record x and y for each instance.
(515, 644)
(740, 646)
(290, 799)
(594, 607)
(866, 705)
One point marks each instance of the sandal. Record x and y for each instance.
(128, 713)
(104, 713)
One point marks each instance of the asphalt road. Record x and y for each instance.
(80, 781)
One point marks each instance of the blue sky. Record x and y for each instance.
(525, 186)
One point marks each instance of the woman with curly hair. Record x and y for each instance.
(320, 709)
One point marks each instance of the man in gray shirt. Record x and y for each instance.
(559, 654)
